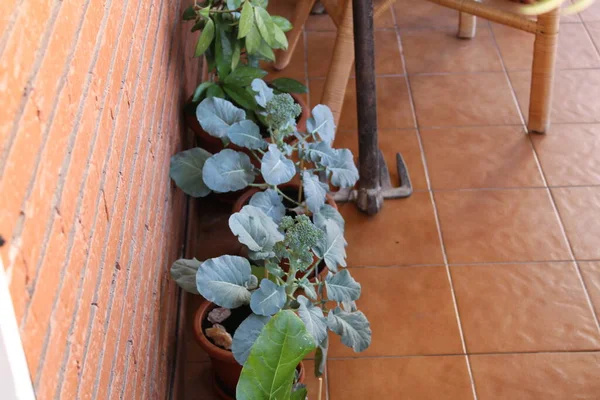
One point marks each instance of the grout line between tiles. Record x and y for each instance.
(571, 251)
(585, 27)
(437, 219)
(507, 77)
(549, 191)
(461, 73)
(594, 351)
(474, 263)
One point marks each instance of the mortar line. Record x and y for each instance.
(8, 30)
(164, 180)
(20, 225)
(129, 188)
(113, 285)
(163, 255)
(37, 65)
(178, 295)
(436, 215)
(18, 231)
(64, 169)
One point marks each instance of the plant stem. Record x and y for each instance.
(287, 197)
(259, 185)
(302, 185)
(312, 268)
(224, 11)
(256, 156)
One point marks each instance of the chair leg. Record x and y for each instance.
(341, 64)
(542, 73)
(301, 13)
(467, 25)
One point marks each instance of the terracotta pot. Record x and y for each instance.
(244, 198)
(226, 370)
(214, 145)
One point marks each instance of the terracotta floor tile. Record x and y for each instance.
(324, 23)
(579, 209)
(414, 378)
(401, 303)
(591, 276)
(490, 157)
(524, 308)
(458, 100)
(594, 30)
(419, 14)
(439, 50)
(284, 8)
(576, 97)
(403, 233)
(570, 154)
(592, 13)
(320, 46)
(571, 18)
(547, 376)
(388, 60)
(391, 142)
(312, 382)
(500, 226)
(575, 49)
(295, 68)
(393, 102)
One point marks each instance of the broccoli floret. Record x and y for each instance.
(286, 223)
(282, 112)
(301, 235)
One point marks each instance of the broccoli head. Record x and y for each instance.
(282, 112)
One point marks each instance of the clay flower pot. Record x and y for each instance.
(226, 370)
(244, 199)
(214, 145)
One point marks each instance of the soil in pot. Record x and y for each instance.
(226, 370)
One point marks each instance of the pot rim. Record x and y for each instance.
(211, 349)
(244, 197)
(300, 124)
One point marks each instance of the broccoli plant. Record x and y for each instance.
(236, 35)
(281, 273)
(281, 153)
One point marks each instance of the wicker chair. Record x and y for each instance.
(545, 29)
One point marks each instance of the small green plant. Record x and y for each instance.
(281, 273)
(236, 35)
(288, 238)
(308, 154)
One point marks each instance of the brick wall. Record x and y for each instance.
(91, 97)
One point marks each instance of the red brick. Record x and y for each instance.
(58, 348)
(23, 46)
(101, 286)
(7, 7)
(98, 195)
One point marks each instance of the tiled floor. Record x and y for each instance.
(485, 283)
